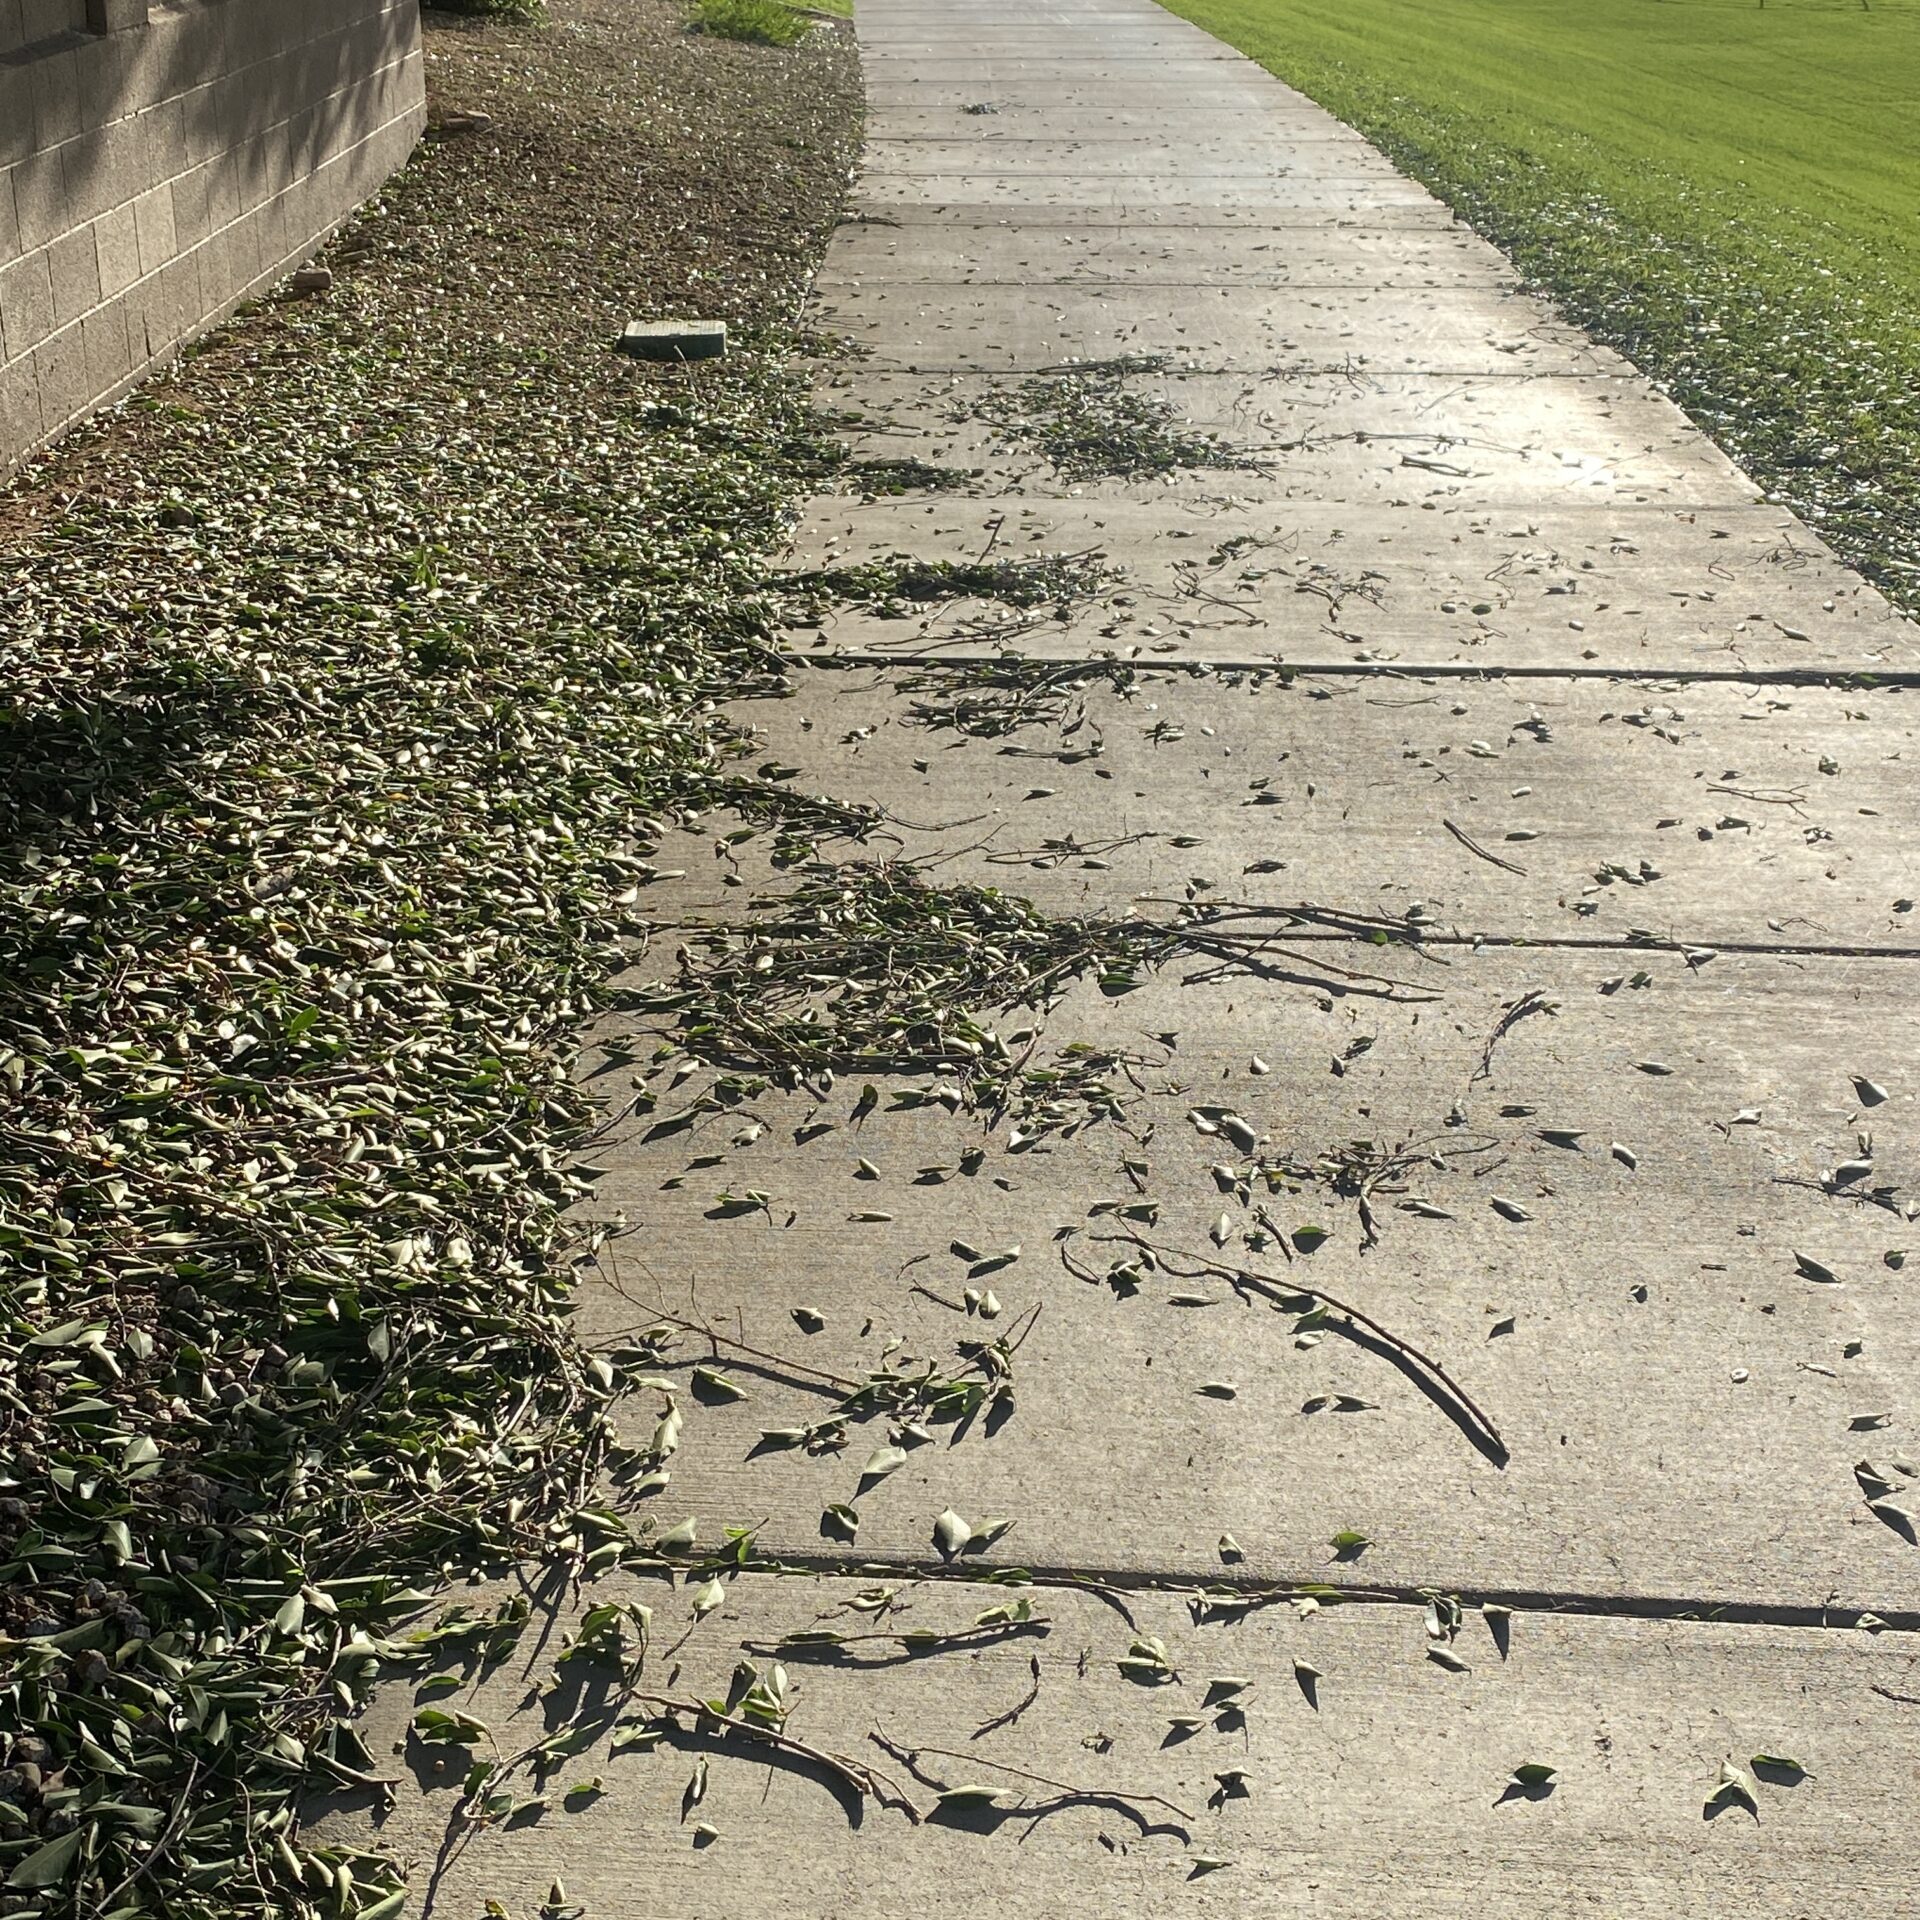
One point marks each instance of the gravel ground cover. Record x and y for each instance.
(346, 677)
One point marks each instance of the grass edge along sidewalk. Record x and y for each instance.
(1788, 332)
(343, 681)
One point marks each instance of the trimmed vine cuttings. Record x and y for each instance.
(1090, 424)
(991, 699)
(900, 583)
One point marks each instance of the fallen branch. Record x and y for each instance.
(909, 1757)
(1279, 1293)
(1473, 846)
(869, 1782)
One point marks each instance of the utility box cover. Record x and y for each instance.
(675, 339)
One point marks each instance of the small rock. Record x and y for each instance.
(313, 280)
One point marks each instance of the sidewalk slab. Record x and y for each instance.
(992, 251)
(1715, 815)
(1321, 437)
(1383, 1800)
(1208, 330)
(1677, 1398)
(1661, 590)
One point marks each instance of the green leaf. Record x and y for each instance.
(1532, 1773)
(47, 1866)
(951, 1533)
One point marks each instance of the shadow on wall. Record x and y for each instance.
(113, 97)
(162, 159)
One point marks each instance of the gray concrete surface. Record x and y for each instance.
(1571, 782)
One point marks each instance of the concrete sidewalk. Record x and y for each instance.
(1483, 648)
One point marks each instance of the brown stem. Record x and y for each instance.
(907, 1755)
(867, 1781)
(1275, 1290)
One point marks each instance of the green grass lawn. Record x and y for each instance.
(1728, 192)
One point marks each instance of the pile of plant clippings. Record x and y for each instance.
(1091, 425)
(345, 681)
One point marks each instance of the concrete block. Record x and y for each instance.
(255, 176)
(104, 334)
(56, 97)
(190, 207)
(16, 113)
(13, 29)
(20, 424)
(275, 242)
(39, 199)
(220, 180)
(103, 168)
(153, 225)
(117, 246)
(162, 133)
(200, 120)
(26, 304)
(9, 220)
(675, 340)
(45, 19)
(102, 66)
(75, 268)
(164, 309)
(60, 369)
(213, 258)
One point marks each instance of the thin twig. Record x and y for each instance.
(869, 1782)
(1014, 1712)
(1473, 846)
(828, 1644)
(1532, 1001)
(908, 1755)
(1280, 1291)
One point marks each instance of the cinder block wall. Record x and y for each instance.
(161, 160)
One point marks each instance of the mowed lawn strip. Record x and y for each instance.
(1727, 193)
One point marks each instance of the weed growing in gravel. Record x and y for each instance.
(762, 22)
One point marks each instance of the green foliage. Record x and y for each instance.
(308, 874)
(1723, 192)
(763, 22)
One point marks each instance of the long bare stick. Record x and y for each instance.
(870, 1782)
(1278, 1290)
(908, 1755)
